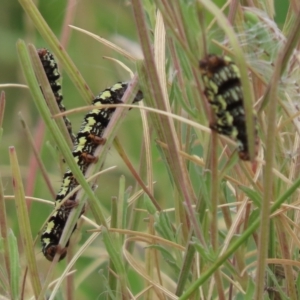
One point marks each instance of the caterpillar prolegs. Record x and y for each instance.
(86, 142)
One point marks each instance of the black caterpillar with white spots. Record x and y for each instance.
(85, 143)
(53, 75)
(221, 78)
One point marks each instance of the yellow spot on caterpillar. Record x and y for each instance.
(46, 241)
(105, 95)
(116, 86)
(50, 226)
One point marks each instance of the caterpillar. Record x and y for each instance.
(53, 75)
(87, 140)
(223, 89)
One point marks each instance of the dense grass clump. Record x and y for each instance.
(171, 211)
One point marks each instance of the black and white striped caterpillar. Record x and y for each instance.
(221, 78)
(86, 142)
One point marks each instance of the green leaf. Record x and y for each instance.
(149, 205)
(204, 253)
(169, 259)
(252, 194)
(250, 290)
(15, 267)
(163, 226)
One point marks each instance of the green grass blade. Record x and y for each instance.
(24, 222)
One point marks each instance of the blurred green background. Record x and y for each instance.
(112, 20)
